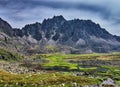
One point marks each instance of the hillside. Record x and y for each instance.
(66, 36)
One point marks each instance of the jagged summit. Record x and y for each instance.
(58, 18)
(80, 35)
(55, 18)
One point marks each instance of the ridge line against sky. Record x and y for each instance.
(21, 12)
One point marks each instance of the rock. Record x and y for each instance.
(5, 27)
(108, 83)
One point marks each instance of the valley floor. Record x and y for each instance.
(62, 70)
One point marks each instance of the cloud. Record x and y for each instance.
(20, 12)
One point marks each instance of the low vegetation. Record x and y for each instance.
(62, 69)
(44, 80)
(9, 55)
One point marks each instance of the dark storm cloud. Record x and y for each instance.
(18, 5)
(20, 12)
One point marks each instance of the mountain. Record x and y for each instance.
(5, 27)
(69, 36)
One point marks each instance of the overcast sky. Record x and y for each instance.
(21, 12)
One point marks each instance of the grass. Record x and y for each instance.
(46, 79)
(87, 69)
(9, 55)
(61, 62)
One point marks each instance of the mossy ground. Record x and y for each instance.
(61, 62)
(59, 70)
(9, 55)
(46, 79)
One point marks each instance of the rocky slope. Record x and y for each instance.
(69, 36)
(5, 27)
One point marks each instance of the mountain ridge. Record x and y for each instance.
(83, 36)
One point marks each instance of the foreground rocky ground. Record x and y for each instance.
(16, 68)
(57, 70)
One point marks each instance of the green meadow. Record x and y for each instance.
(65, 70)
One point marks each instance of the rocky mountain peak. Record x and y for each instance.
(83, 35)
(53, 23)
(5, 27)
(59, 18)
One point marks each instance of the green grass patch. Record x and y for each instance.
(9, 55)
(46, 79)
(59, 60)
